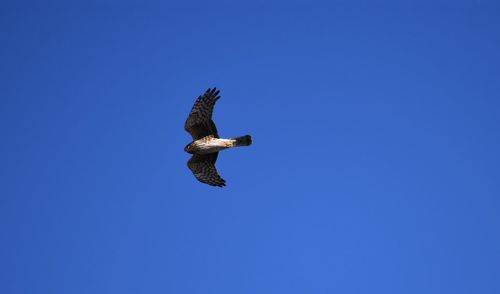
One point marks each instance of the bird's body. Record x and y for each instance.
(210, 144)
(206, 143)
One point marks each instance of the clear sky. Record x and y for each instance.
(375, 166)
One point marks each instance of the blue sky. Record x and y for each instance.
(375, 165)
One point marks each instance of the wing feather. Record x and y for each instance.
(199, 122)
(203, 168)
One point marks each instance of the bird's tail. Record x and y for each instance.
(243, 141)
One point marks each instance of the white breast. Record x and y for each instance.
(213, 145)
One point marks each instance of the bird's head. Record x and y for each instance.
(188, 148)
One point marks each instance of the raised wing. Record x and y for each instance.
(199, 122)
(203, 168)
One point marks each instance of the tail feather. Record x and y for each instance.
(243, 140)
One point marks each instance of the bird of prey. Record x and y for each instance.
(206, 142)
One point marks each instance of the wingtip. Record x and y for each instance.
(212, 92)
(221, 185)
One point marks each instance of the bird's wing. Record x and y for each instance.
(199, 122)
(203, 168)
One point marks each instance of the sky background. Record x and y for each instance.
(375, 166)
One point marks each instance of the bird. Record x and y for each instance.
(206, 142)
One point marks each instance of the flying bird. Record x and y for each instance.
(206, 142)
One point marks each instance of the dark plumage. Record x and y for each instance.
(206, 143)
